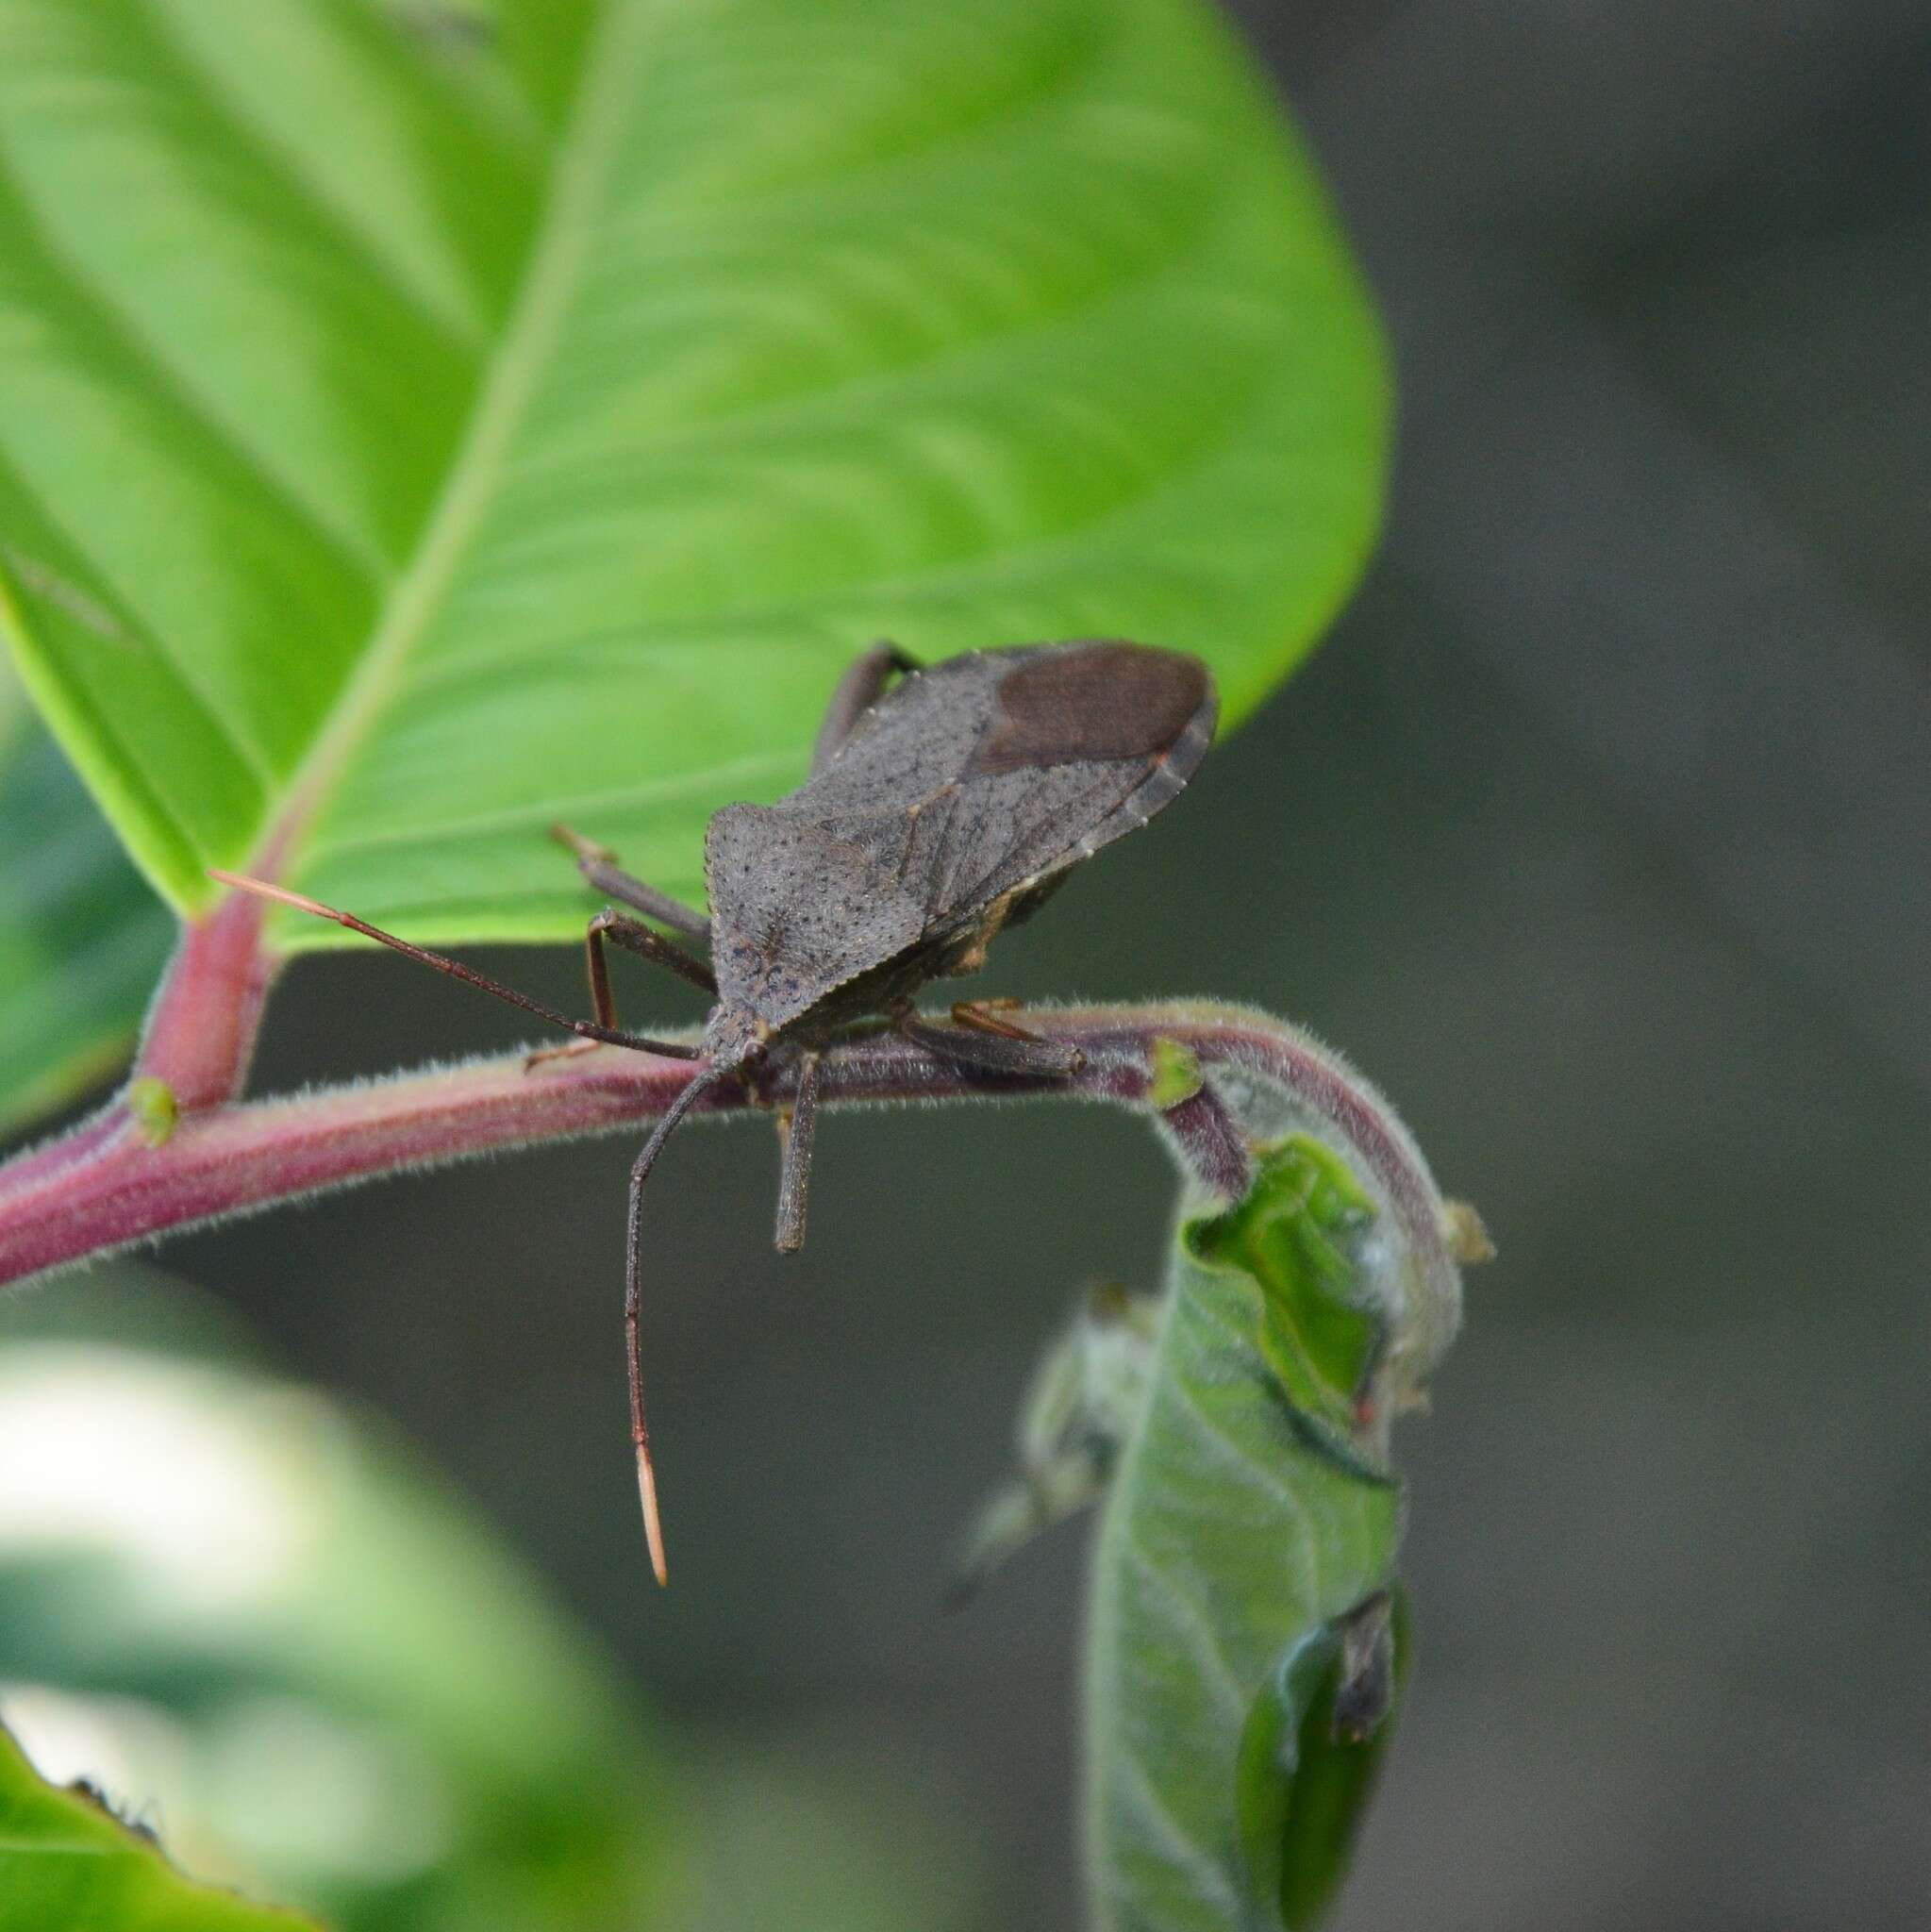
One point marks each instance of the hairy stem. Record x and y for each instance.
(108, 1185)
(201, 1029)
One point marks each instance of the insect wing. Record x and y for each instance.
(1101, 703)
(994, 771)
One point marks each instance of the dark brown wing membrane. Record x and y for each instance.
(1091, 704)
(997, 769)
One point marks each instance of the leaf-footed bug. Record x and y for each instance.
(940, 809)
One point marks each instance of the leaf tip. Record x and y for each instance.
(1467, 1237)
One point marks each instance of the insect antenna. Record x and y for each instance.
(633, 1304)
(587, 1029)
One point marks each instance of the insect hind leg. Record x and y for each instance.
(984, 1042)
(598, 864)
(857, 691)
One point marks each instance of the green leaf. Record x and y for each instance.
(1294, 1236)
(484, 416)
(66, 1860)
(250, 1617)
(1253, 1517)
(82, 938)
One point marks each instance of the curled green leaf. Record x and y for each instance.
(1245, 1554)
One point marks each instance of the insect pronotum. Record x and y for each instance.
(940, 808)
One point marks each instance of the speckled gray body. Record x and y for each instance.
(955, 808)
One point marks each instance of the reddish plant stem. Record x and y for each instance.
(199, 1037)
(32, 1168)
(201, 1029)
(228, 1159)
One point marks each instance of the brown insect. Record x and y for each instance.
(940, 810)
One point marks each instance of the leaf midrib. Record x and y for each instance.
(584, 153)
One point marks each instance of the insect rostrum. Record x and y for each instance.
(941, 807)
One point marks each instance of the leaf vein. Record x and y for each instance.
(297, 179)
(1203, 1870)
(584, 155)
(1198, 1626)
(122, 333)
(569, 807)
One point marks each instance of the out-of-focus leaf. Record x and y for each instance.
(481, 416)
(67, 1861)
(247, 1616)
(808, 1842)
(82, 938)
(1254, 1515)
(1086, 1395)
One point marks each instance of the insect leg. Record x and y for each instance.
(633, 1305)
(859, 690)
(982, 1016)
(794, 1176)
(598, 864)
(634, 937)
(997, 1047)
(609, 1036)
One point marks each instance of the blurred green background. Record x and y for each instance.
(1597, 834)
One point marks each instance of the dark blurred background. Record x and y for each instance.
(1598, 834)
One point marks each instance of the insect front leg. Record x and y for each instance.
(796, 1131)
(598, 864)
(859, 690)
(634, 937)
(981, 1040)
